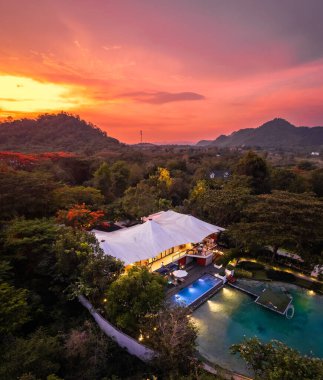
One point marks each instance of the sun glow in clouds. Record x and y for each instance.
(22, 94)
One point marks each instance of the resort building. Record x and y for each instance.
(163, 239)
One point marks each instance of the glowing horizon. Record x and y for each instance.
(181, 71)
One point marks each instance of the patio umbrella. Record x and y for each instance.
(180, 273)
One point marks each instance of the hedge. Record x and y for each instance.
(238, 272)
(280, 276)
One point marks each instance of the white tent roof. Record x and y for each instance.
(161, 231)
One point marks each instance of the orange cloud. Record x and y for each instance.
(195, 71)
(26, 95)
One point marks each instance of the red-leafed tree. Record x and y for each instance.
(79, 216)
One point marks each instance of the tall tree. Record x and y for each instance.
(14, 308)
(281, 218)
(276, 361)
(221, 205)
(131, 297)
(82, 267)
(172, 334)
(92, 355)
(120, 177)
(39, 354)
(287, 180)
(28, 245)
(68, 196)
(79, 216)
(256, 167)
(317, 182)
(25, 194)
(142, 200)
(102, 181)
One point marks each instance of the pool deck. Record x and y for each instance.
(194, 274)
(275, 301)
(197, 303)
(265, 297)
(278, 302)
(246, 289)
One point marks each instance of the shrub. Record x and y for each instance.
(249, 265)
(222, 272)
(238, 272)
(317, 287)
(280, 276)
(261, 252)
(228, 256)
(230, 267)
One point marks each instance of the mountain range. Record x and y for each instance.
(69, 133)
(277, 133)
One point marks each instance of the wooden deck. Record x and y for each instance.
(245, 289)
(272, 300)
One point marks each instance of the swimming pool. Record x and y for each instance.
(196, 290)
(231, 315)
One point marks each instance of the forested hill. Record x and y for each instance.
(277, 133)
(54, 132)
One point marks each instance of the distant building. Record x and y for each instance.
(317, 271)
(222, 174)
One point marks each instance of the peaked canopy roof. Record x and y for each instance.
(161, 231)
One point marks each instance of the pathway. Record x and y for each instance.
(283, 269)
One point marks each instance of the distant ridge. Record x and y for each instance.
(143, 145)
(54, 132)
(276, 133)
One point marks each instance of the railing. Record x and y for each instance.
(178, 255)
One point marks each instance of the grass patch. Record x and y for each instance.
(277, 275)
(317, 287)
(260, 275)
(258, 272)
(238, 272)
(249, 265)
(303, 283)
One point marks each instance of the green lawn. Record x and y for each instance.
(261, 274)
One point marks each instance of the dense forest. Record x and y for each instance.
(54, 132)
(50, 200)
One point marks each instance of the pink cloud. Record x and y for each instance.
(247, 63)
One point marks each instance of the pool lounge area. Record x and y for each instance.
(204, 286)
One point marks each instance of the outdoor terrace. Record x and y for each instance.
(194, 273)
(266, 297)
(275, 301)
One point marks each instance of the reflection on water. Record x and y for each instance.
(231, 315)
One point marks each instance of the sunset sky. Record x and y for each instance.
(180, 70)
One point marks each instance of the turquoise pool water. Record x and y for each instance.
(231, 315)
(191, 293)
